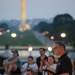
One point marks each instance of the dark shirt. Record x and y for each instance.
(64, 65)
(38, 63)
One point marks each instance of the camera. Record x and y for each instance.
(43, 63)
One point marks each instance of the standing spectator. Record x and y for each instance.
(73, 66)
(30, 65)
(42, 58)
(64, 65)
(12, 64)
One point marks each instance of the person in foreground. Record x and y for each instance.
(29, 72)
(64, 65)
(13, 64)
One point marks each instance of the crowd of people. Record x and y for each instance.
(44, 65)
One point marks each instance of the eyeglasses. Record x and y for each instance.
(56, 47)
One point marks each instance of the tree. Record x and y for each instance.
(41, 27)
(3, 27)
(61, 23)
(62, 19)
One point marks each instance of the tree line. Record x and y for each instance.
(61, 23)
(3, 26)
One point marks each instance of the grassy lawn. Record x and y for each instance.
(23, 38)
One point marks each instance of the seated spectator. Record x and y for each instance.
(30, 66)
(29, 72)
(50, 65)
(13, 64)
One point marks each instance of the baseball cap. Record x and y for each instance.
(14, 51)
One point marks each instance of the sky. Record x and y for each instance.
(11, 9)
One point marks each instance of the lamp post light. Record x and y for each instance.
(30, 50)
(52, 37)
(13, 35)
(63, 35)
(49, 49)
(0, 33)
(8, 30)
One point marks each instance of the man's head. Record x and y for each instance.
(42, 51)
(59, 48)
(15, 53)
(30, 59)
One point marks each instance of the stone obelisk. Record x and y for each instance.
(22, 26)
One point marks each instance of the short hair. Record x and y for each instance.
(42, 49)
(31, 57)
(61, 44)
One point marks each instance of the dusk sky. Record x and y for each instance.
(10, 9)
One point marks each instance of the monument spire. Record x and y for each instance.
(22, 26)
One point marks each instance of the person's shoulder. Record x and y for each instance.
(46, 56)
(66, 59)
(38, 57)
(25, 64)
(18, 58)
(10, 58)
(53, 66)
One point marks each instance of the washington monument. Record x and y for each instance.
(22, 26)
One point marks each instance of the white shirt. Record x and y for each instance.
(53, 66)
(33, 66)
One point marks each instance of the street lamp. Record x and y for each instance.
(30, 50)
(8, 30)
(13, 35)
(49, 49)
(0, 33)
(63, 35)
(52, 37)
